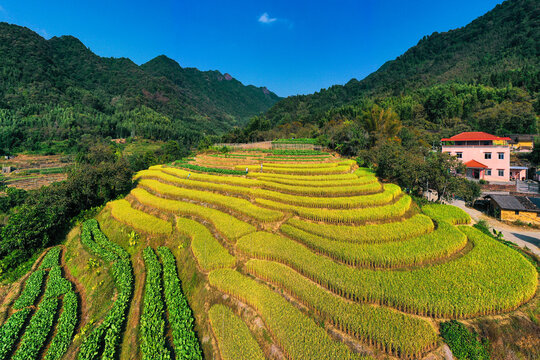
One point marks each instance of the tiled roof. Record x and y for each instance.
(475, 136)
(510, 202)
(475, 164)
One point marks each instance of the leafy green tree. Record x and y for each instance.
(44, 217)
(380, 124)
(441, 174)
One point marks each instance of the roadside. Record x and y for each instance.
(522, 237)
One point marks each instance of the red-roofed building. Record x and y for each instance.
(486, 156)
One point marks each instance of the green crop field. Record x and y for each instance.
(302, 259)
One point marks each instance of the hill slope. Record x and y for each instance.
(500, 48)
(48, 85)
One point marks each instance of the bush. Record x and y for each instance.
(464, 343)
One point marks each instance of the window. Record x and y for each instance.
(501, 172)
(501, 156)
(459, 155)
(487, 156)
(517, 212)
(488, 172)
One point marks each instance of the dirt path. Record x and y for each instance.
(524, 238)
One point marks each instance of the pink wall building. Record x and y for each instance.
(486, 156)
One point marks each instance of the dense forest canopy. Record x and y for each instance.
(54, 91)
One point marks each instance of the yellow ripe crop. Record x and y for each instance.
(390, 192)
(235, 341)
(440, 244)
(476, 284)
(384, 212)
(210, 254)
(297, 171)
(122, 211)
(297, 334)
(229, 226)
(266, 176)
(397, 333)
(449, 213)
(302, 166)
(227, 202)
(326, 183)
(368, 188)
(377, 233)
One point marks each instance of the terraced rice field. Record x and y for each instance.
(358, 256)
(291, 260)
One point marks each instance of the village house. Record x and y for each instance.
(514, 208)
(486, 156)
(521, 142)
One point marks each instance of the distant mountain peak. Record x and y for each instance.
(62, 72)
(164, 60)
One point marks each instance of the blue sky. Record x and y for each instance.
(292, 47)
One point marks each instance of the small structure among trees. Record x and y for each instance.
(514, 208)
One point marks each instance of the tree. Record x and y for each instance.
(381, 124)
(535, 154)
(442, 174)
(45, 216)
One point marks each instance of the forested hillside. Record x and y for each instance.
(55, 91)
(484, 76)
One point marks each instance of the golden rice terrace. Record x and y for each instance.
(262, 255)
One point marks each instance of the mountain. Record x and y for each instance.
(58, 90)
(499, 49)
(217, 90)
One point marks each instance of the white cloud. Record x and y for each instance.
(266, 19)
(43, 33)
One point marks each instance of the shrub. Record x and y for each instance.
(464, 343)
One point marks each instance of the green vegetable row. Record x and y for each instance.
(152, 322)
(32, 289)
(65, 327)
(186, 345)
(209, 169)
(104, 339)
(52, 258)
(39, 327)
(10, 331)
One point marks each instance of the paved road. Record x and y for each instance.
(517, 235)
